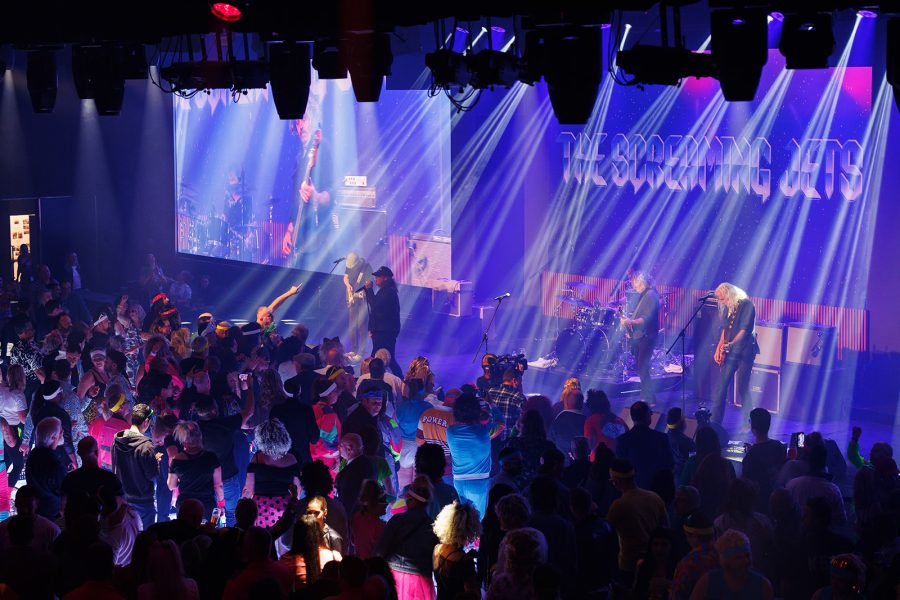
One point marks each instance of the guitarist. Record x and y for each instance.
(358, 273)
(305, 234)
(736, 350)
(643, 326)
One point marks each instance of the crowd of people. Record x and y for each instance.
(294, 472)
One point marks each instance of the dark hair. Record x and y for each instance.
(467, 409)
(552, 457)
(416, 387)
(581, 500)
(741, 496)
(119, 360)
(511, 374)
(376, 368)
(760, 420)
(543, 494)
(674, 416)
(308, 538)
(817, 457)
(152, 384)
(140, 413)
(533, 425)
(707, 441)
(205, 406)
(640, 412)
(598, 402)
(431, 461)
(62, 369)
(22, 326)
(164, 423)
(316, 479)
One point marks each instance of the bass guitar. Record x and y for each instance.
(289, 242)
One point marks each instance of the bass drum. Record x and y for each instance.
(570, 349)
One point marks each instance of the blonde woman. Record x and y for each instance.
(181, 343)
(14, 411)
(736, 350)
(196, 472)
(456, 526)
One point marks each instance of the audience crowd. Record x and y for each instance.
(144, 459)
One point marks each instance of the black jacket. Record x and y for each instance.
(300, 422)
(349, 481)
(384, 309)
(134, 461)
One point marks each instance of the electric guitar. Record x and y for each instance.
(289, 243)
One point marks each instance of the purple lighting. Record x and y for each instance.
(605, 26)
(738, 22)
(777, 16)
(867, 14)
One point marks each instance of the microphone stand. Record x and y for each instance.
(681, 335)
(484, 335)
(319, 288)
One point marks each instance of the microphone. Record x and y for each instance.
(343, 258)
(361, 288)
(708, 296)
(502, 296)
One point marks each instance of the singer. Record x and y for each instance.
(357, 274)
(736, 350)
(384, 315)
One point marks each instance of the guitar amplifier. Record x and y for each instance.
(809, 344)
(765, 389)
(771, 338)
(452, 297)
(357, 197)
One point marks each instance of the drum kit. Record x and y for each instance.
(594, 339)
(211, 235)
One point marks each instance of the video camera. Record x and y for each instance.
(495, 366)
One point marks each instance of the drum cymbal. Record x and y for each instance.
(582, 285)
(578, 302)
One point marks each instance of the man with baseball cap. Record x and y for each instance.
(384, 315)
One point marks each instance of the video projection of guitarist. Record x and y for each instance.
(312, 228)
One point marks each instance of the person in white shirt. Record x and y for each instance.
(14, 411)
(389, 378)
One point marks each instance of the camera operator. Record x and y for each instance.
(508, 399)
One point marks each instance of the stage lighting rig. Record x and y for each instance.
(571, 61)
(664, 66)
(491, 68)
(807, 40)
(739, 50)
(449, 69)
(328, 60)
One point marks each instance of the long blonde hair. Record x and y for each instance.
(732, 294)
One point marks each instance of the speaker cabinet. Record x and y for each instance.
(366, 228)
(809, 344)
(771, 338)
(765, 389)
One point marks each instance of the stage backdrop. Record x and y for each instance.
(778, 195)
(380, 169)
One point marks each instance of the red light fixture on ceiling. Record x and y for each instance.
(226, 12)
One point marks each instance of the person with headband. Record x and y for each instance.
(48, 403)
(735, 579)
(113, 416)
(702, 558)
(326, 449)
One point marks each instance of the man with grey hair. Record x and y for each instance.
(642, 327)
(736, 350)
(358, 272)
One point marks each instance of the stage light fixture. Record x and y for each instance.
(328, 61)
(40, 75)
(867, 14)
(369, 60)
(740, 50)
(777, 16)
(135, 62)
(290, 78)
(449, 69)
(807, 40)
(573, 69)
(226, 12)
(493, 68)
(657, 65)
(893, 57)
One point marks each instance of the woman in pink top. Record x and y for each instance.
(602, 425)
